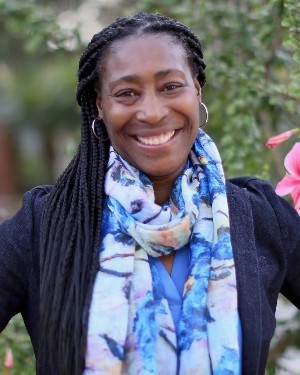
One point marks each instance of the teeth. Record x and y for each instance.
(158, 140)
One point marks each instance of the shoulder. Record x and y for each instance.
(266, 206)
(29, 214)
(257, 190)
(247, 182)
(19, 250)
(19, 235)
(38, 195)
(35, 199)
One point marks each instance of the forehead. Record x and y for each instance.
(141, 54)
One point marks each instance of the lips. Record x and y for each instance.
(156, 140)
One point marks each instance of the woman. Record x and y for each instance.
(131, 263)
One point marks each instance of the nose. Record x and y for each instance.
(152, 109)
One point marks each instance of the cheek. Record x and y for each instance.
(193, 113)
(114, 120)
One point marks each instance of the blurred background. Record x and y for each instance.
(252, 51)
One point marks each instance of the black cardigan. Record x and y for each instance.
(265, 233)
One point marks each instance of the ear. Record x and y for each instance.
(198, 88)
(99, 105)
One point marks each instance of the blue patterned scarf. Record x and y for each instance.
(129, 331)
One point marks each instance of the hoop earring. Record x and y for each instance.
(206, 114)
(94, 131)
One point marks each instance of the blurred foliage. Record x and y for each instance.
(34, 25)
(38, 64)
(252, 53)
(286, 337)
(15, 338)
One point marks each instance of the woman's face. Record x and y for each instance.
(149, 101)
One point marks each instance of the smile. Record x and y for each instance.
(157, 140)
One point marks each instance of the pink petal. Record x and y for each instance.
(292, 160)
(8, 361)
(287, 184)
(278, 139)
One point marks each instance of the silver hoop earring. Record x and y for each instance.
(94, 131)
(206, 114)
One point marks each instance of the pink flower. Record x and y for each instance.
(9, 360)
(278, 139)
(290, 184)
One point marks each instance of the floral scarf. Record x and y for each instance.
(129, 331)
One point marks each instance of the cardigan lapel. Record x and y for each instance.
(247, 273)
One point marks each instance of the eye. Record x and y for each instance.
(126, 94)
(172, 86)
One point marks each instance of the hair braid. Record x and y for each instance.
(72, 219)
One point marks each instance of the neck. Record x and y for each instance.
(162, 185)
(162, 190)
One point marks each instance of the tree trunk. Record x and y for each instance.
(8, 179)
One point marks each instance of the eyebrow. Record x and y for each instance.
(132, 78)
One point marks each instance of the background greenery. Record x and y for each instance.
(252, 51)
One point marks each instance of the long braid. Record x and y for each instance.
(71, 223)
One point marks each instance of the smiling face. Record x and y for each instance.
(149, 102)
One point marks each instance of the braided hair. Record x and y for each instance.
(71, 223)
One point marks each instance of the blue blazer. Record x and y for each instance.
(265, 233)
